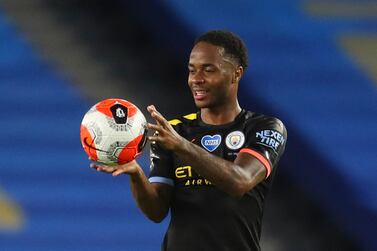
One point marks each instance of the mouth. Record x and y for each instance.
(200, 94)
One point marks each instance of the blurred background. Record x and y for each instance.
(313, 64)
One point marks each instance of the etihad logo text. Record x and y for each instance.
(189, 178)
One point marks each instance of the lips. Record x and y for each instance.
(200, 94)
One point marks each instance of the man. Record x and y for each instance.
(212, 168)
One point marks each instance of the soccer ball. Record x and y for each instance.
(113, 132)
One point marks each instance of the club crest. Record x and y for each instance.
(235, 140)
(210, 143)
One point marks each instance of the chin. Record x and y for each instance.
(200, 105)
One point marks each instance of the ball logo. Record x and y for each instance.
(120, 113)
(211, 143)
(235, 140)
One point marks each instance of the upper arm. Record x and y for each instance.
(161, 170)
(164, 192)
(265, 144)
(160, 175)
(253, 169)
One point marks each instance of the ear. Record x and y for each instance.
(237, 74)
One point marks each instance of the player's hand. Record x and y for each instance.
(128, 168)
(165, 134)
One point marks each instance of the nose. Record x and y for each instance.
(196, 78)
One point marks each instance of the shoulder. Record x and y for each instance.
(187, 120)
(258, 120)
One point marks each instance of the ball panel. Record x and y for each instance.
(105, 105)
(106, 151)
(130, 151)
(138, 126)
(96, 124)
(87, 142)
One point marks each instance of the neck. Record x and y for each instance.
(220, 115)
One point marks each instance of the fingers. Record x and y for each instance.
(154, 138)
(165, 133)
(157, 116)
(151, 108)
(118, 172)
(154, 127)
(131, 168)
(103, 168)
(157, 128)
(114, 170)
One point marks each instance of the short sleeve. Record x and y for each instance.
(266, 141)
(161, 166)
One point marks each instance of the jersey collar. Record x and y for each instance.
(236, 119)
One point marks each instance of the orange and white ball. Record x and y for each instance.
(113, 132)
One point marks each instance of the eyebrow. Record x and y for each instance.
(203, 65)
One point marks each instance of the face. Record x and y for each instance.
(211, 76)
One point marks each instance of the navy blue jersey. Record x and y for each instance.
(202, 216)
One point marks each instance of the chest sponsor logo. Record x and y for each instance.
(187, 177)
(235, 140)
(211, 143)
(270, 138)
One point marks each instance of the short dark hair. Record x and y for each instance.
(232, 44)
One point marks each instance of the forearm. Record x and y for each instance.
(147, 197)
(226, 175)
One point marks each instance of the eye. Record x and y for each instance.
(209, 69)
